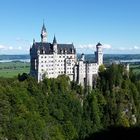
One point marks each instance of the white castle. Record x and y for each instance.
(52, 59)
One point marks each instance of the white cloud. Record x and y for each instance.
(19, 48)
(86, 46)
(136, 48)
(2, 46)
(4, 49)
(93, 46)
(27, 50)
(90, 48)
(107, 46)
(123, 50)
(120, 49)
(127, 48)
(10, 48)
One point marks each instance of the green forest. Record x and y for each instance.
(58, 109)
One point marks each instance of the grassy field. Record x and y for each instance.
(12, 69)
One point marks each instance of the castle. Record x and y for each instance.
(53, 59)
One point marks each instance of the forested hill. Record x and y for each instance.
(57, 109)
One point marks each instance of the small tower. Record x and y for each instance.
(99, 54)
(82, 57)
(54, 45)
(43, 34)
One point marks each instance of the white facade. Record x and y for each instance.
(51, 66)
(52, 59)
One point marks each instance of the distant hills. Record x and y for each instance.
(14, 57)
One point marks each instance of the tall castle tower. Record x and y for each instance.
(54, 45)
(99, 54)
(43, 34)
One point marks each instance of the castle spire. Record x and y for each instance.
(54, 40)
(43, 33)
(43, 27)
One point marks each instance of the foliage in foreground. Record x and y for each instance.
(57, 109)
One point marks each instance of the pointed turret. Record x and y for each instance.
(98, 44)
(54, 40)
(82, 57)
(43, 27)
(54, 45)
(43, 34)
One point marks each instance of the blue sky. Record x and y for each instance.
(114, 23)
